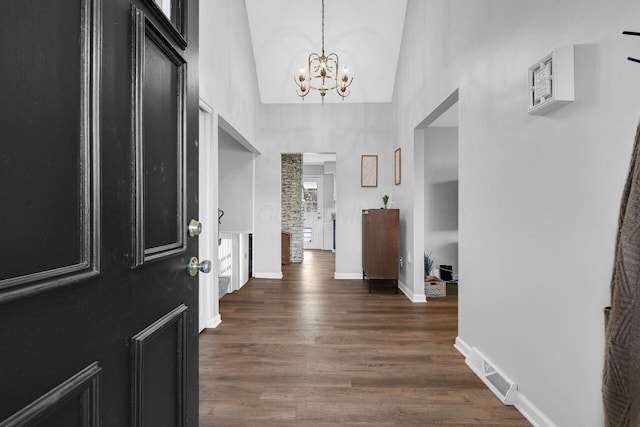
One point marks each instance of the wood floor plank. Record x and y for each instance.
(309, 350)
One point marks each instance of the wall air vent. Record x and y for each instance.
(501, 385)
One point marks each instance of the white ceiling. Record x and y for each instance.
(366, 35)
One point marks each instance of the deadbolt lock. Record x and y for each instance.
(195, 228)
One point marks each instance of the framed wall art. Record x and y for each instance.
(369, 170)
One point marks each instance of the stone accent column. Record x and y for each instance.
(291, 200)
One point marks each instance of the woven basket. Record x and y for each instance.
(435, 289)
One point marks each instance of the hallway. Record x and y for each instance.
(313, 351)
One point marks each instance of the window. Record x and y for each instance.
(310, 196)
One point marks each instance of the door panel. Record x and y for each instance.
(68, 414)
(159, 364)
(162, 177)
(158, 107)
(76, 402)
(72, 307)
(49, 184)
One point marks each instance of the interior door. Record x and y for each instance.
(98, 182)
(313, 213)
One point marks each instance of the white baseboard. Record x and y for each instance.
(214, 322)
(531, 412)
(462, 346)
(409, 293)
(267, 275)
(211, 323)
(347, 276)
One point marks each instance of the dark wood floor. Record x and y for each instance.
(313, 351)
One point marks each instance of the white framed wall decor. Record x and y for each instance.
(551, 81)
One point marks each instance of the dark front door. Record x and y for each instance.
(98, 183)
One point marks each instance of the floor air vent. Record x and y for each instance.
(501, 385)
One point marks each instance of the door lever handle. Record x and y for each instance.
(195, 266)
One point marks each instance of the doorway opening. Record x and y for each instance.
(225, 210)
(437, 167)
(319, 177)
(441, 193)
(235, 211)
(308, 204)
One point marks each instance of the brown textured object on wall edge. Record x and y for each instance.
(621, 376)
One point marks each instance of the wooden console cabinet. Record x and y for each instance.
(285, 246)
(380, 244)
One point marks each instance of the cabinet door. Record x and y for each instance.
(365, 233)
(380, 243)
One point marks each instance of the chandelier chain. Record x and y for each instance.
(323, 27)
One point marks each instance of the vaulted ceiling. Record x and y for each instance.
(366, 35)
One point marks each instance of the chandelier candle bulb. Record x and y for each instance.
(345, 74)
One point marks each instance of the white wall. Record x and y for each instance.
(349, 130)
(228, 84)
(235, 177)
(228, 79)
(312, 169)
(539, 196)
(441, 194)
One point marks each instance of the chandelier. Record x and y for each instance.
(325, 74)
